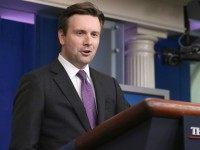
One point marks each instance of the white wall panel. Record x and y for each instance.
(162, 14)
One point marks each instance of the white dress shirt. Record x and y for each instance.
(72, 71)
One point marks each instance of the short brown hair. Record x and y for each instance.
(85, 8)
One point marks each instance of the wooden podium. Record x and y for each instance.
(154, 124)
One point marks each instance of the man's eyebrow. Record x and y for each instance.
(84, 31)
(79, 30)
(96, 32)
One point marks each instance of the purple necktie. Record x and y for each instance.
(88, 98)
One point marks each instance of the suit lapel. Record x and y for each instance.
(100, 96)
(66, 86)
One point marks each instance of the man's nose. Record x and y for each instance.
(87, 40)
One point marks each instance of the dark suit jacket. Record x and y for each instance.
(48, 112)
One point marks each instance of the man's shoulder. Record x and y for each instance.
(102, 78)
(99, 74)
(43, 71)
(39, 71)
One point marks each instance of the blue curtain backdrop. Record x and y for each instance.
(47, 46)
(16, 58)
(176, 79)
(24, 47)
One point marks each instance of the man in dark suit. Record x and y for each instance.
(50, 108)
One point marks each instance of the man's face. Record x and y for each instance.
(81, 41)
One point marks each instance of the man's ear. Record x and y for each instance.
(61, 37)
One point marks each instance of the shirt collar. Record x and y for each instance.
(71, 69)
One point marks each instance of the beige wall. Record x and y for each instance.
(161, 14)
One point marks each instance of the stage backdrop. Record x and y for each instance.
(16, 57)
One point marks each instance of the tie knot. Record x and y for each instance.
(82, 75)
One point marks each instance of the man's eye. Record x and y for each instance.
(95, 35)
(79, 33)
